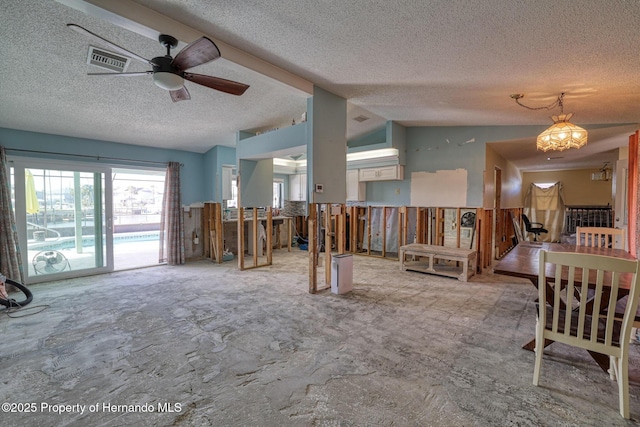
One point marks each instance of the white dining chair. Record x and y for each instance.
(575, 323)
(600, 237)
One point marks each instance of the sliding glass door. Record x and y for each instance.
(137, 204)
(64, 220)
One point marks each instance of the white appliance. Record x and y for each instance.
(262, 237)
(341, 273)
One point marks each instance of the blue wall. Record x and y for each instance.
(268, 144)
(213, 161)
(369, 141)
(191, 174)
(429, 149)
(327, 147)
(256, 183)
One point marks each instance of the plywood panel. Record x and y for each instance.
(440, 188)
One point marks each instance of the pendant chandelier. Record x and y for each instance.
(563, 134)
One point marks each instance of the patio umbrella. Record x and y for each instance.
(31, 197)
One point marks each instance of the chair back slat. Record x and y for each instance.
(582, 312)
(597, 302)
(557, 302)
(611, 318)
(569, 298)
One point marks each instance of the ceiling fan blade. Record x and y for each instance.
(181, 94)
(136, 74)
(195, 53)
(106, 42)
(217, 83)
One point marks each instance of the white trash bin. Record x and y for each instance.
(341, 273)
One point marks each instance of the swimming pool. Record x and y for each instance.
(89, 241)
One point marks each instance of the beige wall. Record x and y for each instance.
(577, 184)
(579, 190)
(511, 182)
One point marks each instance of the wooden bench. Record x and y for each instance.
(433, 254)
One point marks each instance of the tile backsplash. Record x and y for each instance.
(294, 208)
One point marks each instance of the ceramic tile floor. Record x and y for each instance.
(206, 344)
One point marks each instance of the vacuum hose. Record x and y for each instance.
(13, 303)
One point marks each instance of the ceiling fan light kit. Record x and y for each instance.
(563, 134)
(168, 81)
(170, 73)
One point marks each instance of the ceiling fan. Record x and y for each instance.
(170, 73)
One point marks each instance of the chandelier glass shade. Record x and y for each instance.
(562, 135)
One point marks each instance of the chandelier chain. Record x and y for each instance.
(557, 103)
(563, 134)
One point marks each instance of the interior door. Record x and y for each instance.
(63, 219)
(499, 231)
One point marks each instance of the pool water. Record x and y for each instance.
(88, 241)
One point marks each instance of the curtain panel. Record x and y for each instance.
(10, 259)
(546, 205)
(632, 196)
(171, 220)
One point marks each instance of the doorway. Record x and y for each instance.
(621, 198)
(498, 224)
(137, 206)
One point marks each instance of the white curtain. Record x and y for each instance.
(546, 206)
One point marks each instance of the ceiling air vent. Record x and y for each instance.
(361, 118)
(107, 60)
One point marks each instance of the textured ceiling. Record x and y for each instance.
(419, 63)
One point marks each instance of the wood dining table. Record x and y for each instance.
(523, 261)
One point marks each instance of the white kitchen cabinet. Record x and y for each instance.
(227, 178)
(356, 190)
(298, 187)
(384, 173)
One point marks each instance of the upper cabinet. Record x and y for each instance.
(384, 173)
(298, 187)
(356, 190)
